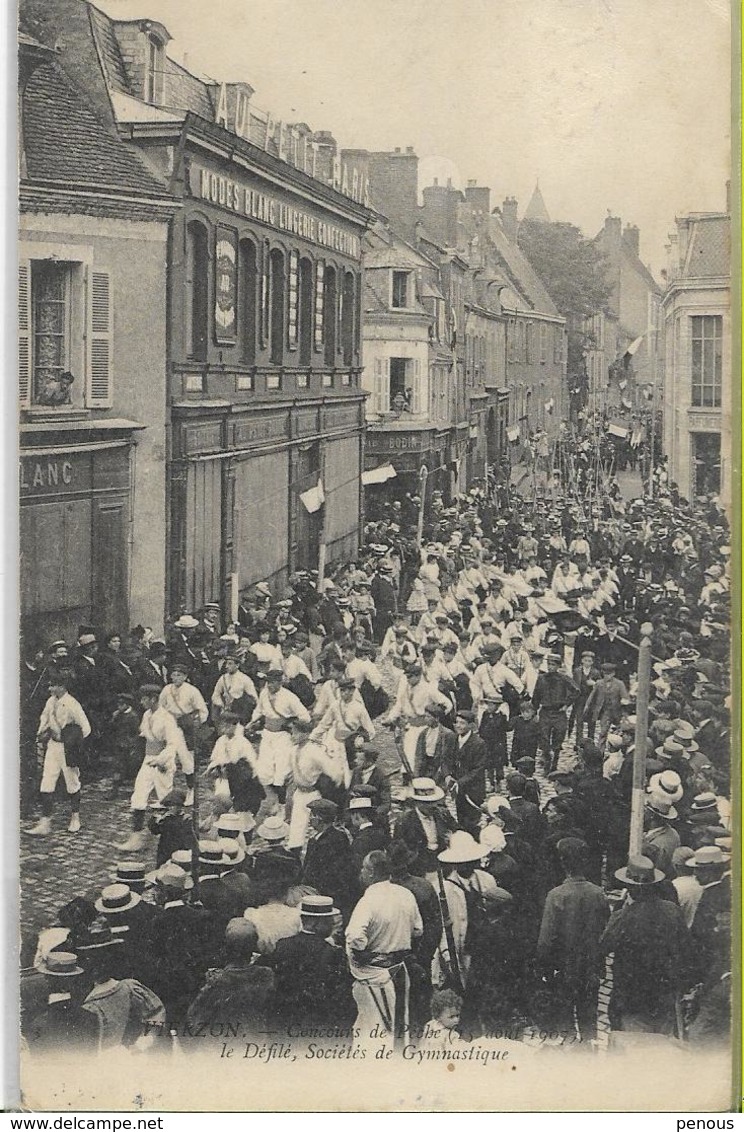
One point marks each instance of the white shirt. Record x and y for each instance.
(231, 686)
(231, 749)
(283, 705)
(162, 735)
(183, 701)
(490, 678)
(386, 919)
(58, 713)
(413, 701)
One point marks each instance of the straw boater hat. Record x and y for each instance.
(709, 855)
(425, 790)
(60, 965)
(318, 907)
(171, 875)
(116, 898)
(273, 828)
(658, 805)
(232, 852)
(462, 849)
(705, 803)
(492, 840)
(186, 621)
(210, 854)
(666, 785)
(639, 872)
(129, 872)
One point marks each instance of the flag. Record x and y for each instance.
(378, 475)
(619, 431)
(313, 499)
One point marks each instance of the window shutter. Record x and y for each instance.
(24, 334)
(377, 388)
(416, 399)
(99, 391)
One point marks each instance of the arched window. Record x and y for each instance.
(306, 311)
(276, 293)
(247, 300)
(197, 291)
(347, 319)
(329, 315)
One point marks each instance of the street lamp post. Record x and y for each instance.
(423, 476)
(641, 740)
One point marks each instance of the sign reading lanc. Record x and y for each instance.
(242, 200)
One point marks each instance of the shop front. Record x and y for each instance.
(75, 541)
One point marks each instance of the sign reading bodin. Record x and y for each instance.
(242, 200)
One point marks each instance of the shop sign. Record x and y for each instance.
(226, 284)
(53, 475)
(241, 200)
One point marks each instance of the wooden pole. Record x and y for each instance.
(641, 738)
(423, 477)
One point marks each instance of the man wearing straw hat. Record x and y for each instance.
(62, 1025)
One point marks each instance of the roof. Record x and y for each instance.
(536, 209)
(708, 248)
(638, 266)
(64, 140)
(520, 272)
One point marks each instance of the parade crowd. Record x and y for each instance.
(399, 802)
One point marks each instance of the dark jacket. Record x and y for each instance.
(313, 983)
(574, 918)
(329, 867)
(408, 828)
(60, 1027)
(427, 766)
(236, 996)
(468, 768)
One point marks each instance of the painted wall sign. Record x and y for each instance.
(241, 200)
(226, 284)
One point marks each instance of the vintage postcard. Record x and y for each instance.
(378, 410)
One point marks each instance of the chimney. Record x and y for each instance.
(393, 188)
(683, 238)
(614, 231)
(439, 212)
(478, 197)
(509, 222)
(631, 238)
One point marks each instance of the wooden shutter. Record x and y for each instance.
(378, 387)
(24, 334)
(99, 389)
(416, 398)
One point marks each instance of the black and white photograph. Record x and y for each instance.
(378, 739)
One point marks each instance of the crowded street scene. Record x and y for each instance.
(377, 571)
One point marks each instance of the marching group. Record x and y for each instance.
(479, 882)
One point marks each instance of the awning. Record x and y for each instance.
(634, 345)
(313, 499)
(378, 475)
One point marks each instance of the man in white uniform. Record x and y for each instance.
(61, 711)
(275, 710)
(186, 704)
(413, 698)
(164, 743)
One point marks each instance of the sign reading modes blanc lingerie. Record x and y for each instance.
(231, 195)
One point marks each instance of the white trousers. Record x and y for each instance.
(299, 818)
(151, 778)
(56, 764)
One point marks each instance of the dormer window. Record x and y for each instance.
(154, 68)
(402, 289)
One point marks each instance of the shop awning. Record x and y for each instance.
(378, 475)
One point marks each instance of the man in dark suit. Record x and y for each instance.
(425, 825)
(151, 669)
(465, 775)
(436, 746)
(311, 972)
(329, 866)
(385, 599)
(532, 823)
(236, 995)
(182, 944)
(366, 772)
(365, 835)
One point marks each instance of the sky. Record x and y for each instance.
(616, 106)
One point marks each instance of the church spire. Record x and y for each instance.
(536, 209)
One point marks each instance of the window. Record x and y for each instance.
(401, 288)
(347, 319)
(306, 311)
(707, 361)
(197, 291)
(330, 304)
(154, 67)
(247, 281)
(558, 344)
(705, 473)
(276, 312)
(543, 342)
(65, 323)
